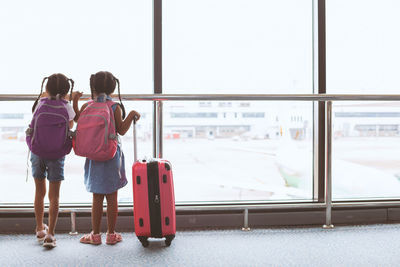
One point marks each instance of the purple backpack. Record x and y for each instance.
(48, 135)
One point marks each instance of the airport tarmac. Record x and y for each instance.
(227, 169)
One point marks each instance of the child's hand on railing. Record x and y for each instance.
(44, 94)
(135, 115)
(76, 95)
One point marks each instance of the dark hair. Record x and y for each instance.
(57, 84)
(105, 82)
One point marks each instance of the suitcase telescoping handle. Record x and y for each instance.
(134, 141)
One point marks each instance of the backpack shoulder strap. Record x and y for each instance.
(90, 102)
(42, 101)
(110, 103)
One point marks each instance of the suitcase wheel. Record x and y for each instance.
(168, 240)
(144, 241)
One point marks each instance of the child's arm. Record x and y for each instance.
(71, 124)
(122, 126)
(78, 112)
(75, 98)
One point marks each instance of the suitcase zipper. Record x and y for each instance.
(154, 199)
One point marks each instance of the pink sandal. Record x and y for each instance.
(41, 234)
(49, 241)
(113, 238)
(94, 239)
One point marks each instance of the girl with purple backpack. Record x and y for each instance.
(49, 141)
(105, 161)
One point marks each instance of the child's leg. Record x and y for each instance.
(40, 192)
(112, 211)
(54, 192)
(94, 237)
(97, 212)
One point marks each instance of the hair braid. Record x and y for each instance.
(105, 81)
(91, 85)
(120, 100)
(72, 88)
(57, 86)
(41, 91)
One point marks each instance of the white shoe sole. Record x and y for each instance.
(49, 244)
(41, 239)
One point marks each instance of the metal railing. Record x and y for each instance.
(231, 97)
(159, 98)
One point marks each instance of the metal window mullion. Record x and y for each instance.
(315, 176)
(321, 105)
(157, 77)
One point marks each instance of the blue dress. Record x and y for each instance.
(106, 177)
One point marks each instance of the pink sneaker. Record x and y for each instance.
(113, 238)
(94, 239)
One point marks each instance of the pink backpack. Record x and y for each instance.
(95, 135)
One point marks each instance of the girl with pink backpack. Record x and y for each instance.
(100, 121)
(49, 140)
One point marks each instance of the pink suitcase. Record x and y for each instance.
(153, 198)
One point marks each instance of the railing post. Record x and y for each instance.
(73, 223)
(328, 167)
(246, 220)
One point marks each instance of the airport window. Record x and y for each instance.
(17, 175)
(253, 114)
(366, 128)
(11, 132)
(362, 58)
(194, 115)
(360, 33)
(205, 104)
(365, 153)
(224, 104)
(11, 116)
(368, 114)
(254, 46)
(43, 38)
(244, 104)
(390, 128)
(207, 153)
(207, 140)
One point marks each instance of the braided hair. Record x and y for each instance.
(58, 86)
(105, 82)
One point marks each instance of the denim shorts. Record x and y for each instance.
(52, 169)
